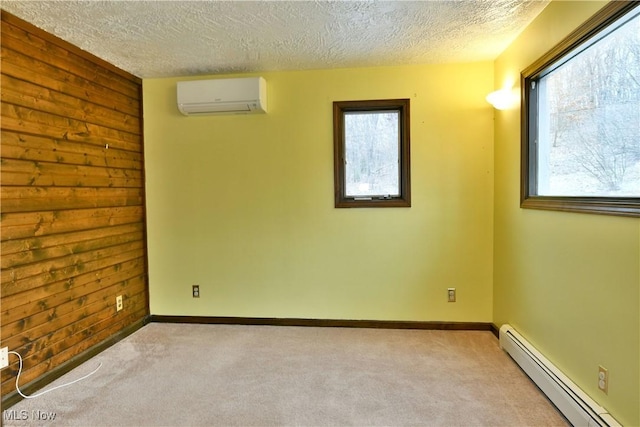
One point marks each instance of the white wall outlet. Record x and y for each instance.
(603, 379)
(119, 303)
(451, 294)
(195, 291)
(4, 357)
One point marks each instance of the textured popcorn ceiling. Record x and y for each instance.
(176, 38)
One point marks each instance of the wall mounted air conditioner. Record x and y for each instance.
(223, 96)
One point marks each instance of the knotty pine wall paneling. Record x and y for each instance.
(72, 194)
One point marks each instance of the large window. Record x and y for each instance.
(581, 119)
(371, 153)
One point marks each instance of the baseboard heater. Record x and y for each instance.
(574, 404)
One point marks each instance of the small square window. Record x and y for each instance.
(371, 153)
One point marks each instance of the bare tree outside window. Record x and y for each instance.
(590, 108)
(372, 165)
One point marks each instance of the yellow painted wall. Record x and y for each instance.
(568, 282)
(243, 205)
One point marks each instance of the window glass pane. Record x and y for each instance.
(589, 119)
(372, 153)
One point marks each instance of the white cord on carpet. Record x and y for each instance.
(46, 391)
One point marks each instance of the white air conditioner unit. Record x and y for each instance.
(223, 96)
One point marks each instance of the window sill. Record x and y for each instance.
(629, 207)
(372, 203)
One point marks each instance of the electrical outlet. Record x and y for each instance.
(603, 379)
(195, 290)
(119, 303)
(4, 357)
(451, 294)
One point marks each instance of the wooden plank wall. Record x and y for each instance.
(72, 194)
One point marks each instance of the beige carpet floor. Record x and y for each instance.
(227, 375)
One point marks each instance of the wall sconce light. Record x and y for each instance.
(501, 99)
